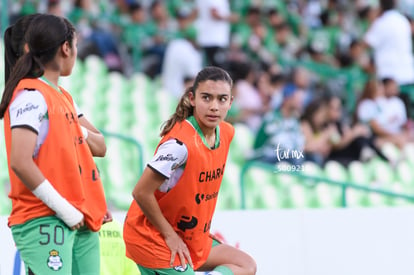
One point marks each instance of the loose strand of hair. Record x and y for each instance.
(183, 111)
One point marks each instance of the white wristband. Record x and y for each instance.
(64, 210)
(85, 132)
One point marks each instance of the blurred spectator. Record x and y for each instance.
(249, 31)
(396, 100)
(285, 47)
(317, 54)
(213, 28)
(320, 136)
(325, 37)
(392, 49)
(271, 86)
(358, 57)
(384, 113)
(182, 59)
(311, 14)
(94, 36)
(177, 7)
(277, 82)
(366, 13)
(274, 18)
(257, 44)
(136, 35)
(247, 99)
(162, 29)
(54, 7)
(356, 141)
(280, 133)
(235, 52)
(355, 66)
(184, 19)
(302, 78)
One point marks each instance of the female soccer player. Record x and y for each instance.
(168, 224)
(58, 204)
(15, 46)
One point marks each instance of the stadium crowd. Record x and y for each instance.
(322, 76)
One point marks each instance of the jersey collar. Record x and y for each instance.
(44, 79)
(196, 126)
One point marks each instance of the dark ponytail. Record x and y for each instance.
(10, 57)
(27, 66)
(184, 108)
(46, 33)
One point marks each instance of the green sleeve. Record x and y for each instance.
(261, 137)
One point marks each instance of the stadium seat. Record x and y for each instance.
(241, 144)
(299, 197)
(75, 81)
(166, 104)
(392, 152)
(401, 189)
(257, 179)
(312, 169)
(328, 196)
(408, 152)
(357, 198)
(378, 200)
(95, 65)
(269, 197)
(335, 171)
(359, 173)
(255, 176)
(404, 173)
(283, 183)
(230, 192)
(382, 173)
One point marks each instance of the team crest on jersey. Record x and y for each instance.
(179, 268)
(54, 261)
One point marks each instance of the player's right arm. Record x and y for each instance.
(21, 157)
(24, 136)
(143, 194)
(152, 178)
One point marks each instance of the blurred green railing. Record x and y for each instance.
(317, 180)
(134, 142)
(121, 168)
